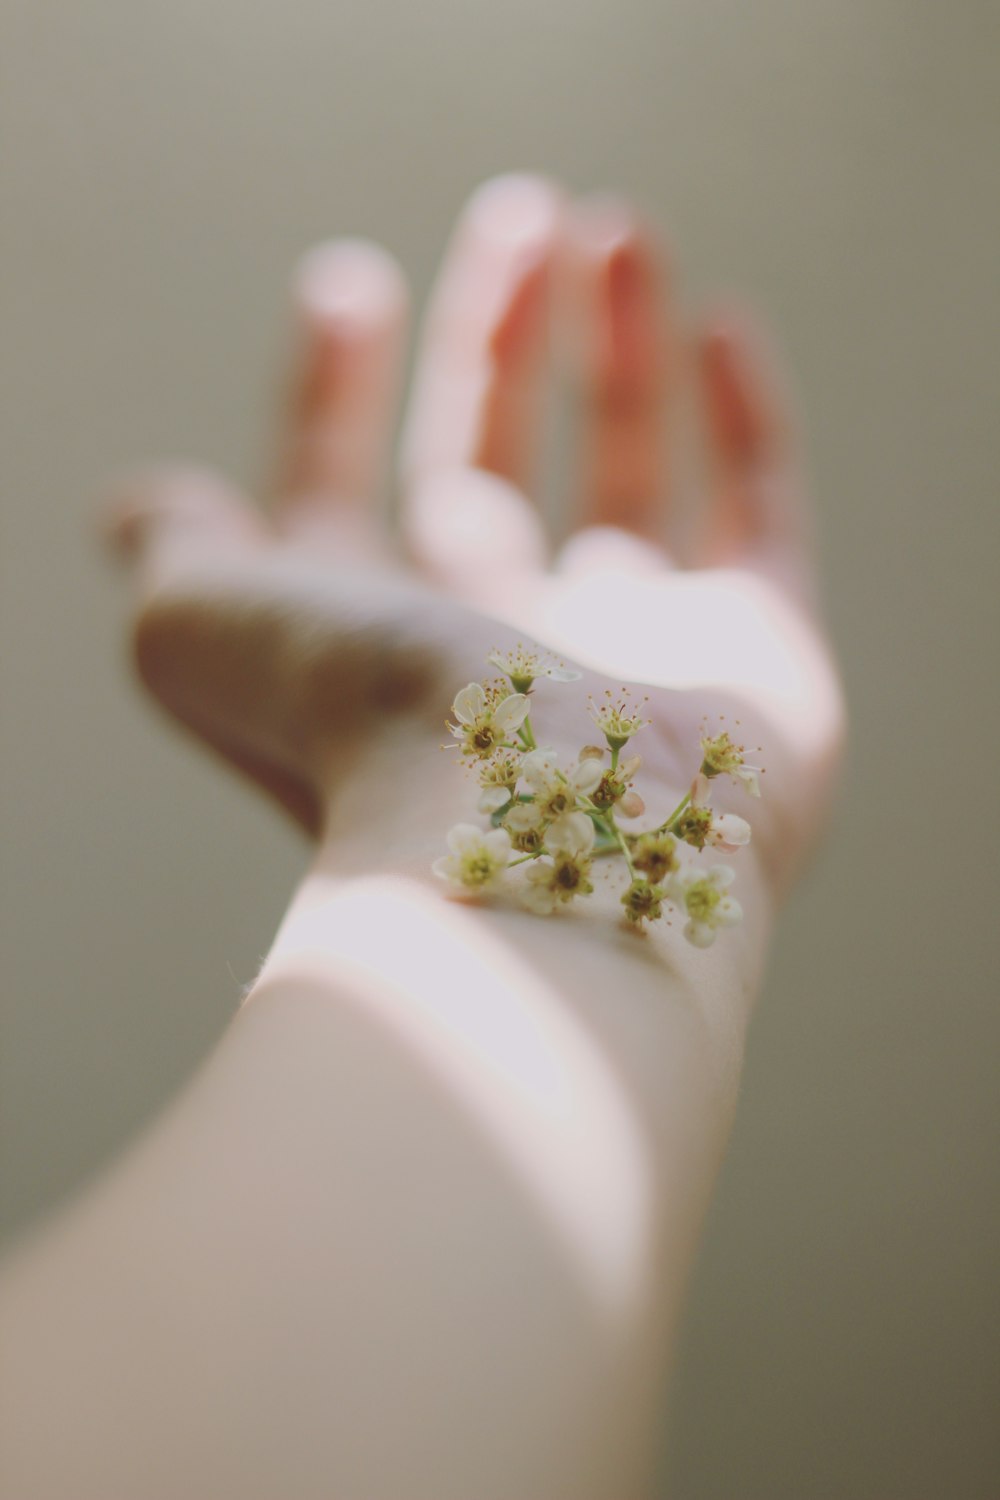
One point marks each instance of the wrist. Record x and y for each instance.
(390, 813)
(389, 819)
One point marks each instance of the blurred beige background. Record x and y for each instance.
(836, 159)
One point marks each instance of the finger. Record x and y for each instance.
(473, 533)
(757, 516)
(477, 395)
(161, 521)
(610, 550)
(351, 304)
(625, 356)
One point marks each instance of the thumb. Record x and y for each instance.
(162, 521)
(190, 541)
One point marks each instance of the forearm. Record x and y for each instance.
(419, 1227)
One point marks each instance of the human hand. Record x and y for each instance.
(318, 647)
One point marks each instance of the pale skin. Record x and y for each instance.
(421, 1224)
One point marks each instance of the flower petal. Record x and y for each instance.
(537, 893)
(524, 817)
(728, 912)
(586, 775)
(463, 836)
(730, 831)
(469, 703)
(497, 842)
(749, 779)
(700, 791)
(572, 833)
(512, 712)
(538, 769)
(700, 934)
(493, 798)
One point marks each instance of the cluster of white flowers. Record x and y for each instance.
(556, 817)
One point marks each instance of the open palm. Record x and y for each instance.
(286, 642)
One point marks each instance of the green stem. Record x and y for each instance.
(666, 826)
(616, 833)
(522, 861)
(615, 752)
(527, 734)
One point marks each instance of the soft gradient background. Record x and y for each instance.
(838, 160)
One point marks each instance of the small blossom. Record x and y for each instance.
(573, 833)
(526, 838)
(498, 779)
(524, 815)
(485, 718)
(721, 756)
(701, 826)
(643, 902)
(617, 721)
(614, 786)
(655, 854)
(694, 826)
(523, 666)
(525, 822)
(555, 791)
(563, 873)
(477, 860)
(703, 897)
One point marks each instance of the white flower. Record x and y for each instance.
(524, 817)
(523, 666)
(477, 860)
(617, 721)
(702, 896)
(615, 789)
(643, 902)
(563, 873)
(486, 719)
(655, 854)
(498, 779)
(573, 833)
(701, 826)
(721, 756)
(555, 791)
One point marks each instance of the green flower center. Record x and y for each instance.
(643, 900)
(477, 869)
(694, 825)
(655, 855)
(702, 899)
